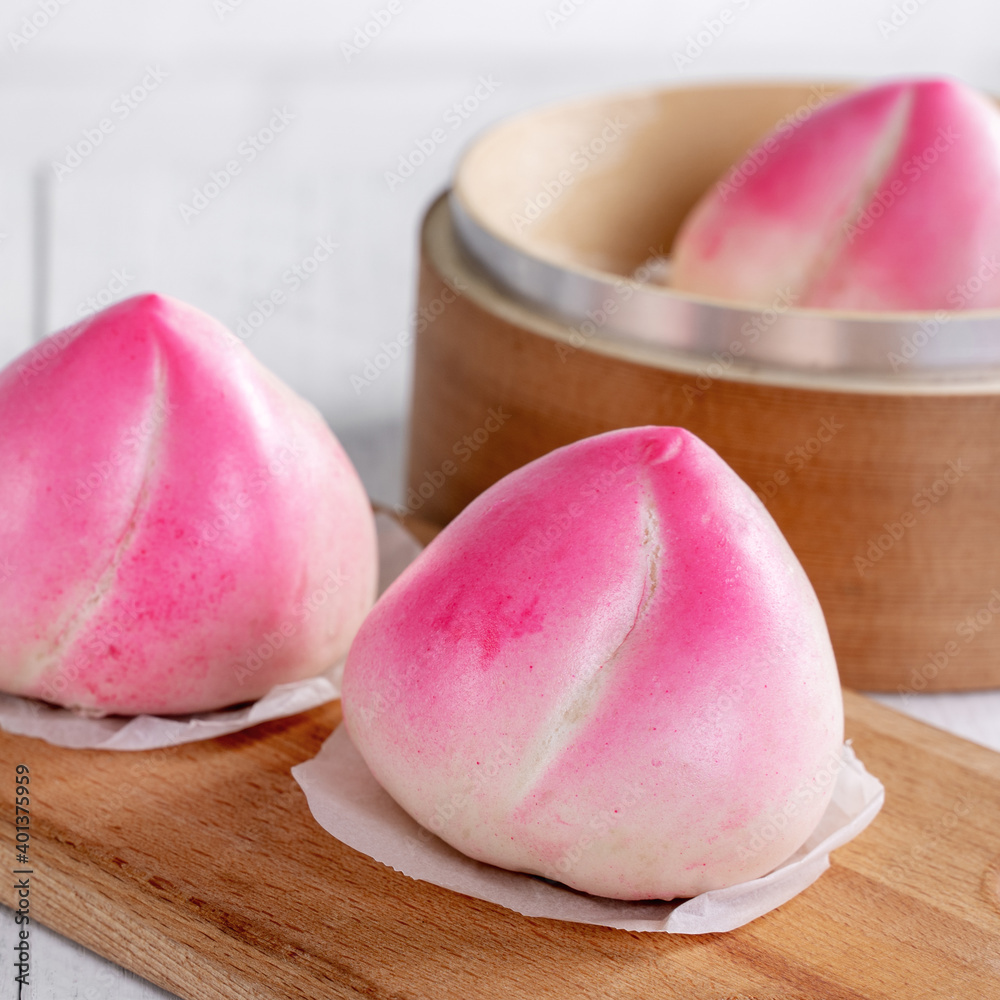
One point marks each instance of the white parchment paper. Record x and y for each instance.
(349, 803)
(65, 728)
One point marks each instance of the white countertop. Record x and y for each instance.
(215, 72)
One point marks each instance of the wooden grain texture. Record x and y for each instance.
(838, 470)
(200, 868)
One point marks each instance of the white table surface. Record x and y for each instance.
(228, 65)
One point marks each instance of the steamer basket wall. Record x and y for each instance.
(886, 483)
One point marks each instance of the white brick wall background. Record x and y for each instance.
(228, 64)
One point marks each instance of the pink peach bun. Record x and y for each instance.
(609, 670)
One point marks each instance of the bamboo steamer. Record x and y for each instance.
(872, 440)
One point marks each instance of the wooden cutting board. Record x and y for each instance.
(201, 869)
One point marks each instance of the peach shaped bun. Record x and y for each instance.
(609, 670)
(180, 531)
